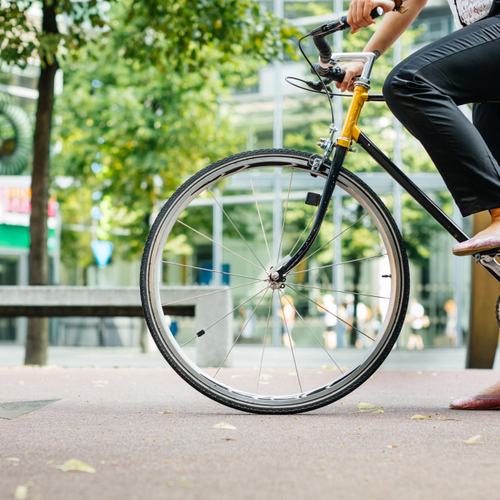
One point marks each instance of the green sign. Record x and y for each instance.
(19, 237)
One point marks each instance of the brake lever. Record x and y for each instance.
(334, 74)
(319, 85)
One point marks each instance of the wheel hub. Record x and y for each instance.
(275, 282)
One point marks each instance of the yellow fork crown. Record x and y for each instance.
(350, 128)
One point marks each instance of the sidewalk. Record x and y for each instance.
(111, 357)
(114, 420)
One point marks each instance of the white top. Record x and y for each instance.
(466, 12)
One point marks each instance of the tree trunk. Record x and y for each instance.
(38, 328)
(483, 334)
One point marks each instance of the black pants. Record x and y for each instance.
(424, 93)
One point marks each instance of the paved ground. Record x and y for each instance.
(114, 420)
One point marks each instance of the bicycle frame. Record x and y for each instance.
(351, 132)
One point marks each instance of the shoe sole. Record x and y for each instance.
(474, 251)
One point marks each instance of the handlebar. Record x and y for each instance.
(325, 51)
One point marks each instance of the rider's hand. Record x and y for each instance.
(351, 70)
(359, 12)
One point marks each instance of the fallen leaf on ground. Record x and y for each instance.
(362, 406)
(166, 411)
(223, 425)
(21, 493)
(378, 410)
(392, 446)
(75, 465)
(417, 416)
(473, 439)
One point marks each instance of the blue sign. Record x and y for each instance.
(96, 213)
(102, 251)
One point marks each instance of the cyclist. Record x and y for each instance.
(424, 92)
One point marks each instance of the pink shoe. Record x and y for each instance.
(479, 402)
(475, 245)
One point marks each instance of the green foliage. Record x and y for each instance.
(141, 109)
(175, 35)
(25, 38)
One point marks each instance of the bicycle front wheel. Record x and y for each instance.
(258, 345)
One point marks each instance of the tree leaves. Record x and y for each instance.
(144, 103)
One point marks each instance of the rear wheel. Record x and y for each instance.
(275, 346)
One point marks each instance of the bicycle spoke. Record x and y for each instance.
(218, 244)
(241, 331)
(331, 290)
(209, 270)
(225, 316)
(284, 216)
(332, 240)
(319, 341)
(237, 230)
(338, 264)
(211, 293)
(338, 317)
(260, 219)
(291, 343)
(265, 339)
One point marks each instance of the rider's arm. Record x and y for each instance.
(393, 25)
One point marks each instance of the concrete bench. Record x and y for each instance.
(60, 301)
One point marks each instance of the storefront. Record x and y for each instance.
(15, 208)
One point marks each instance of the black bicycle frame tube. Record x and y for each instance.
(406, 183)
(396, 173)
(331, 180)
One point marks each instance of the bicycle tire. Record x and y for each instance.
(234, 169)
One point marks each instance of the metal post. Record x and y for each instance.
(217, 236)
(337, 47)
(277, 204)
(337, 253)
(276, 254)
(457, 280)
(278, 93)
(398, 150)
(337, 271)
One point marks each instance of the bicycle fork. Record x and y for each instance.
(281, 269)
(343, 146)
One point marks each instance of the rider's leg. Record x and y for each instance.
(424, 92)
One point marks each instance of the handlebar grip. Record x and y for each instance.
(376, 12)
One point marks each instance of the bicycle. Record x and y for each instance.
(232, 202)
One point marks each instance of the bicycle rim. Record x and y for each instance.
(271, 349)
